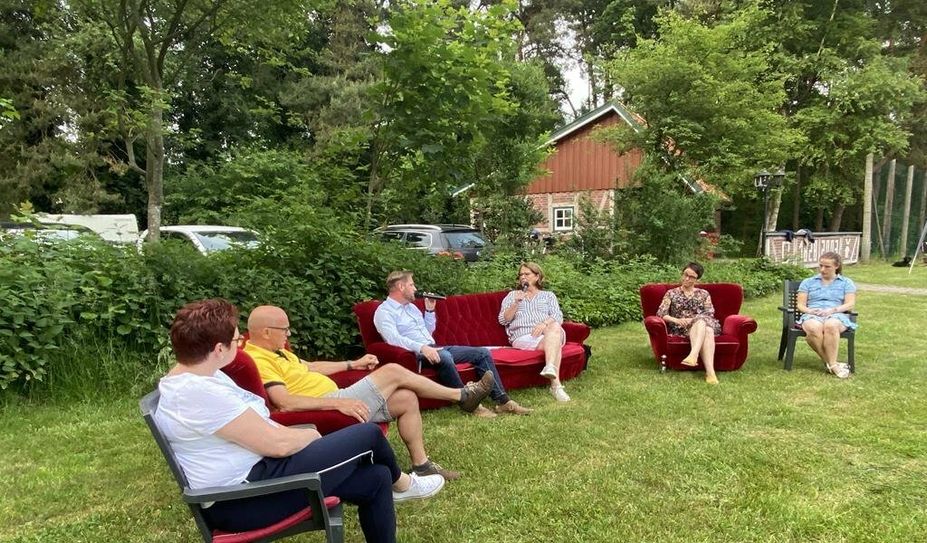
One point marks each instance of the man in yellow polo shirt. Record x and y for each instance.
(388, 393)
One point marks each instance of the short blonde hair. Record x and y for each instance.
(396, 277)
(535, 269)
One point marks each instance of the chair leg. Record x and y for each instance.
(334, 531)
(782, 342)
(790, 351)
(851, 352)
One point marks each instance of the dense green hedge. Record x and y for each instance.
(71, 304)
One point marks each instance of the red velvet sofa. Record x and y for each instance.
(245, 374)
(731, 346)
(472, 319)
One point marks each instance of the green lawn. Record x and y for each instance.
(884, 274)
(766, 456)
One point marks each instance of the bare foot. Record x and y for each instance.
(711, 379)
(690, 361)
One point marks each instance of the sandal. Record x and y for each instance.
(841, 370)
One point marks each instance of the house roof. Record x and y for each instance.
(636, 122)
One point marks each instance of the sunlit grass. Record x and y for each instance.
(767, 456)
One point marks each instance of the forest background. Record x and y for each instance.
(190, 111)
(316, 121)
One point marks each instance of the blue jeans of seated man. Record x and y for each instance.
(479, 357)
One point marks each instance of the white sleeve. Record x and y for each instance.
(223, 408)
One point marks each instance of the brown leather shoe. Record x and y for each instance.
(473, 393)
(512, 407)
(433, 468)
(484, 413)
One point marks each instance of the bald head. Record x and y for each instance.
(268, 327)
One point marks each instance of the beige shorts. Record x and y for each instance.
(365, 391)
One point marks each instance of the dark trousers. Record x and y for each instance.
(369, 486)
(482, 362)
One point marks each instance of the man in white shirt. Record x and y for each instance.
(402, 324)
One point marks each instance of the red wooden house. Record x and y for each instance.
(580, 165)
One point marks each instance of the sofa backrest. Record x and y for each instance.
(245, 374)
(726, 297)
(466, 319)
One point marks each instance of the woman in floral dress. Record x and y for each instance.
(688, 312)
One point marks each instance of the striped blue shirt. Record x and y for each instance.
(530, 313)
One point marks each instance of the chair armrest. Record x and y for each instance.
(739, 325)
(309, 481)
(656, 329)
(387, 353)
(576, 332)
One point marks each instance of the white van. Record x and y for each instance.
(112, 228)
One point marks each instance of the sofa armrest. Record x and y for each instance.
(387, 354)
(576, 332)
(739, 325)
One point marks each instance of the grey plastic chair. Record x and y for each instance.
(792, 331)
(322, 514)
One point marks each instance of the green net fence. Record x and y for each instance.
(894, 197)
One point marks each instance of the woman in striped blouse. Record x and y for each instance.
(532, 319)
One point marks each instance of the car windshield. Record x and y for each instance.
(219, 241)
(465, 240)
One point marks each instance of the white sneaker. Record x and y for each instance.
(549, 372)
(422, 486)
(559, 394)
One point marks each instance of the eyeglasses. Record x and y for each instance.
(522, 274)
(239, 340)
(286, 329)
(690, 276)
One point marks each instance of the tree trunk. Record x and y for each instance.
(154, 171)
(772, 220)
(796, 194)
(866, 241)
(887, 207)
(906, 217)
(837, 218)
(922, 216)
(819, 220)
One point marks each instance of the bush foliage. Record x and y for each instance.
(59, 302)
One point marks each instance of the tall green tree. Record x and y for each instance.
(711, 104)
(151, 44)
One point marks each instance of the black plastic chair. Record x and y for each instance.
(322, 514)
(792, 331)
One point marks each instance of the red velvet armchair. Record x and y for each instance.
(245, 374)
(730, 347)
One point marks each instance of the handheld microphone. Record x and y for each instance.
(524, 286)
(430, 295)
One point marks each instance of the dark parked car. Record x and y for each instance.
(455, 240)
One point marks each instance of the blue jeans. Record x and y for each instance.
(481, 359)
(369, 485)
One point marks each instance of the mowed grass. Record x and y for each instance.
(883, 273)
(768, 455)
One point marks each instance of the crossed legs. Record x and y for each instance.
(552, 344)
(702, 340)
(401, 389)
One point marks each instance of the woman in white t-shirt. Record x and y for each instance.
(532, 319)
(223, 435)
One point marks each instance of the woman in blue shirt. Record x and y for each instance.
(824, 301)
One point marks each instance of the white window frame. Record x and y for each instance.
(556, 222)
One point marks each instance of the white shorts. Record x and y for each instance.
(528, 342)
